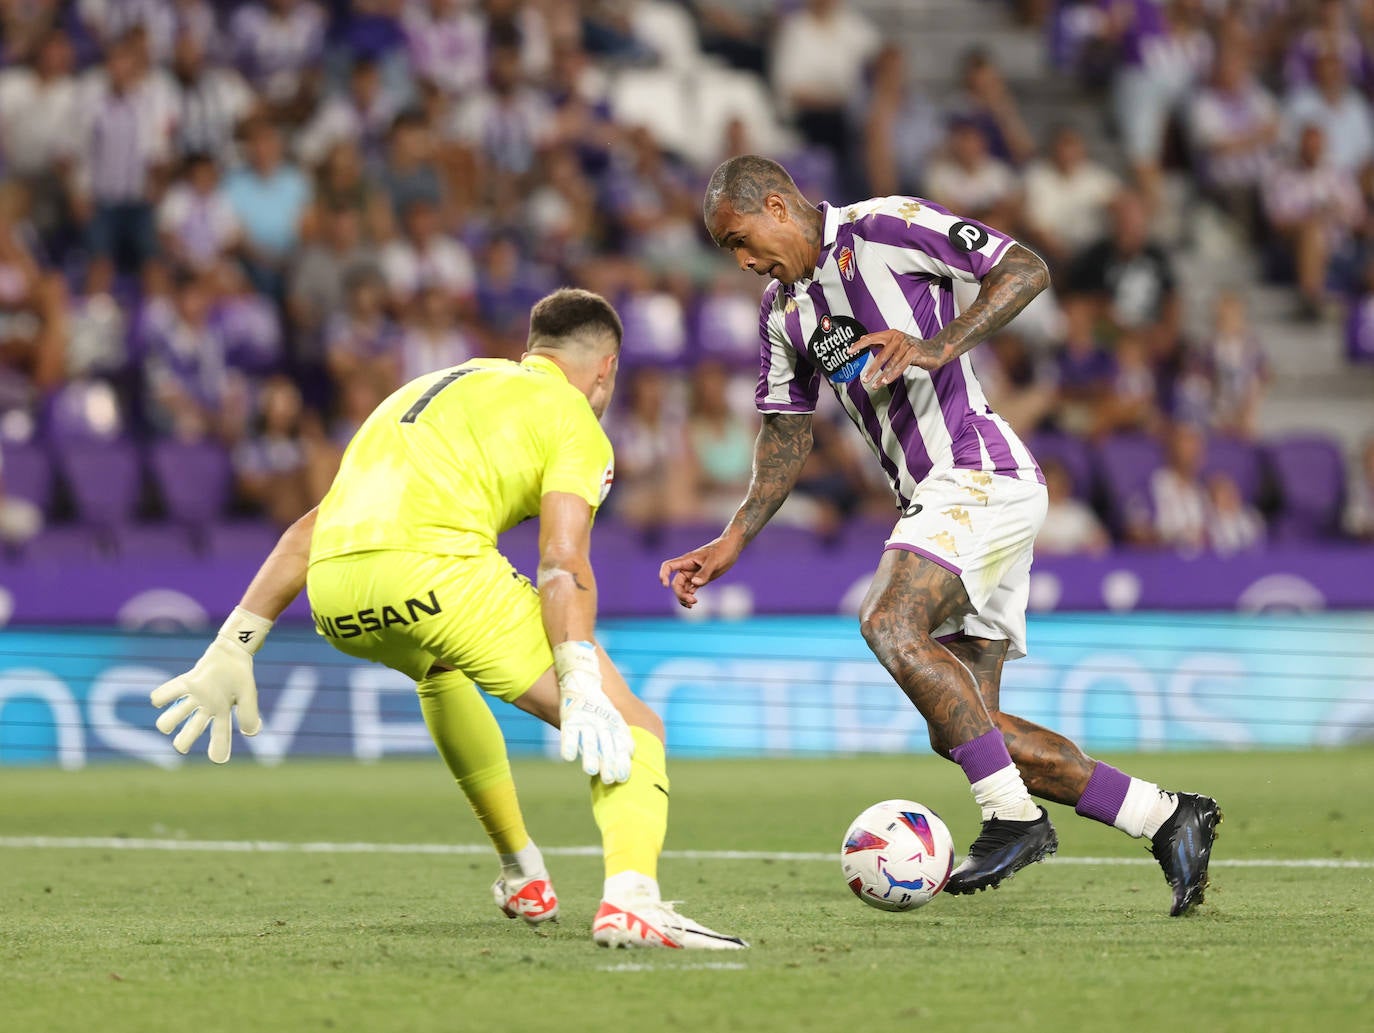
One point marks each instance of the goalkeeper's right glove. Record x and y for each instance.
(208, 693)
(589, 723)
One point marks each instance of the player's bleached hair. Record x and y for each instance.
(571, 318)
(745, 181)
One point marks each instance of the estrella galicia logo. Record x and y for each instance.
(829, 347)
(967, 237)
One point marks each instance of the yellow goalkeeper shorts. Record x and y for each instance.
(412, 610)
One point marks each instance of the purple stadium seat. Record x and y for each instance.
(1310, 472)
(726, 327)
(62, 548)
(195, 479)
(655, 330)
(26, 473)
(104, 478)
(1125, 463)
(249, 540)
(155, 543)
(1240, 460)
(1071, 452)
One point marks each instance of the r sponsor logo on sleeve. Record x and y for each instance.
(967, 237)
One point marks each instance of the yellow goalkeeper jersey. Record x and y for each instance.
(457, 456)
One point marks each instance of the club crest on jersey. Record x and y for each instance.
(845, 260)
(829, 347)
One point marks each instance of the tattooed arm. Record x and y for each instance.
(1008, 287)
(780, 451)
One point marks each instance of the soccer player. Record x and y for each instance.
(401, 566)
(861, 295)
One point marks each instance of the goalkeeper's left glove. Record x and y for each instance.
(589, 723)
(208, 693)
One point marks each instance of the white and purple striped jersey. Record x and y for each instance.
(890, 263)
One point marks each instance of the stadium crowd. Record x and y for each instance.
(242, 225)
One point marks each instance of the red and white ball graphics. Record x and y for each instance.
(897, 855)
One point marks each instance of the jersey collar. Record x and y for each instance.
(544, 364)
(830, 229)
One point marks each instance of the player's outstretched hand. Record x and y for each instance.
(589, 725)
(686, 573)
(207, 694)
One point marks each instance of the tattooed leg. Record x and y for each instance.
(910, 597)
(1053, 767)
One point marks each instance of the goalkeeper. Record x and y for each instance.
(401, 567)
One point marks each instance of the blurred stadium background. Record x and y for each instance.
(227, 230)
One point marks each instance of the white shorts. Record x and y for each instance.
(982, 527)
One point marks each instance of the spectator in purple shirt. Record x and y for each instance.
(197, 224)
(508, 285)
(284, 465)
(1329, 30)
(192, 391)
(1083, 369)
(362, 343)
(278, 45)
(446, 40)
(988, 102)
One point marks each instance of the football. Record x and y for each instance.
(897, 855)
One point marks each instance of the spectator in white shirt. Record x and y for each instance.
(1341, 110)
(1068, 197)
(1235, 125)
(39, 104)
(820, 56)
(363, 114)
(195, 221)
(210, 101)
(425, 257)
(970, 181)
(1070, 527)
(1233, 525)
(1178, 504)
(499, 130)
(432, 337)
(1314, 207)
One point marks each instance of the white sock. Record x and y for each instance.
(1002, 794)
(626, 888)
(1145, 809)
(525, 863)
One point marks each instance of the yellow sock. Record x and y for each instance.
(633, 815)
(470, 741)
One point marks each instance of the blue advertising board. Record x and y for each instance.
(764, 686)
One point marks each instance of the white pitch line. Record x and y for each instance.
(711, 966)
(267, 846)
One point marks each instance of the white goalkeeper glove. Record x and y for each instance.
(589, 723)
(208, 692)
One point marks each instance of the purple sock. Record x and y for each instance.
(1104, 795)
(982, 756)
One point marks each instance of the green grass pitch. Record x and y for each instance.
(149, 940)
